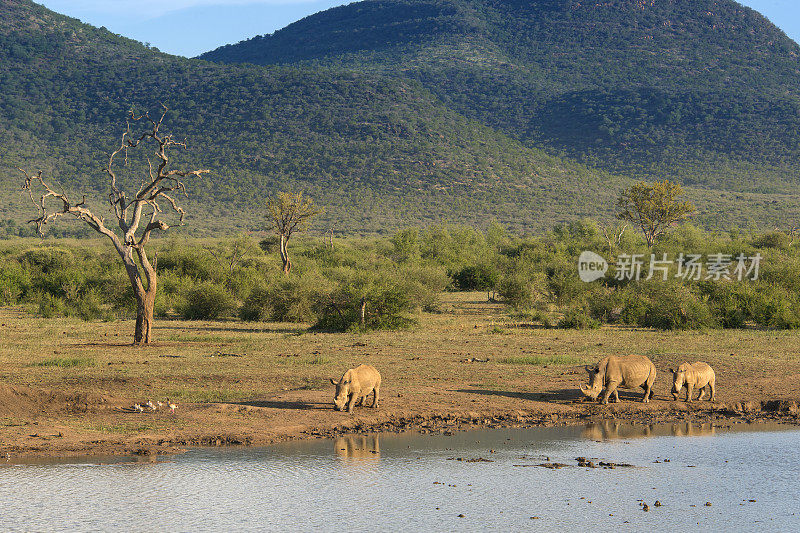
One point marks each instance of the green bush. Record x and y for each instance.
(190, 262)
(773, 239)
(578, 318)
(257, 307)
(775, 307)
(424, 284)
(295, 299)
(479, 277)
(731, 303)
(518, 291)
(387, 303)
(270, 244)
(51, 306)
(206, 301)
(15, 282)
(90, 306)
(672, 306)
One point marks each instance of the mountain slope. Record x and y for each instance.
(706, 90)
(377, 152)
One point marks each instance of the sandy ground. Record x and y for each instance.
(69, 388)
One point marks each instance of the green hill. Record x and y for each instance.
(377, 152)
(704, 90)
(377, 148)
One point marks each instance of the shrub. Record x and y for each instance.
(51, 306)
(386, 301)
(518, 291)
(424, 284)
(206, 300)
(564, 284)
(270, 244)
(578, 318)
(773, 239)
(90, 306)
(672, 306)
(480, 277)
(730, 303)
(191, 262)
(14, 283)
(775, 307)
(257, 306)
(295, 299)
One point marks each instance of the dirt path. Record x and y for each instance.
(69, 387)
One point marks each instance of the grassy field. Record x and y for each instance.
(75, 381)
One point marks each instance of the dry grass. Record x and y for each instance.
(431, 366)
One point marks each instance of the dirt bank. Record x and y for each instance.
(46, 427)
(68, 387)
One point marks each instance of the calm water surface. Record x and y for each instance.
(416, 482)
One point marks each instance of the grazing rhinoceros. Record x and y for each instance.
(627, 372)
(355, 385)
(696, 375)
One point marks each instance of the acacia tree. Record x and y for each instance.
(289, 213)
(131, 235)
(653, 207)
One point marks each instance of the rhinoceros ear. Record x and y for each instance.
(671, 370)
(333, 381)
(588, 368)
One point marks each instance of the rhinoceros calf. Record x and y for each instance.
(695, 375)
(355, 385)
(627, 372)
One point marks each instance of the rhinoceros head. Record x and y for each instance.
(595, 386)
(678, 379)
(342, 393)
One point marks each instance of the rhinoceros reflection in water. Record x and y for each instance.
(358, 446)
(610, 429)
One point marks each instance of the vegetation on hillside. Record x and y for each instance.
(705, 91)
(377, 152)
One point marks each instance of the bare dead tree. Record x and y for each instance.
(160, 186)
(613, 234)
(289, 212)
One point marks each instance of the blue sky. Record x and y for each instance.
(190, 27)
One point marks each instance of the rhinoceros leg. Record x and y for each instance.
(712, 386)
(648, 391)
(352, 402)
(689, 392)
(611, 389)
(702, 393)
(375, 395)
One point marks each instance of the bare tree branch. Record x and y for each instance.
(160, 183)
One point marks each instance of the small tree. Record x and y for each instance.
(289, 213)
(654, 208)
(158, 187)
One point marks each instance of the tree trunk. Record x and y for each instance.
(363, 311)
(144, 318)
(287, 265)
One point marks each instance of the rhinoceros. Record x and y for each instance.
(695, 375)
(355, 385)
(627, 372)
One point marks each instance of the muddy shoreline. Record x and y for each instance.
(43, 443)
